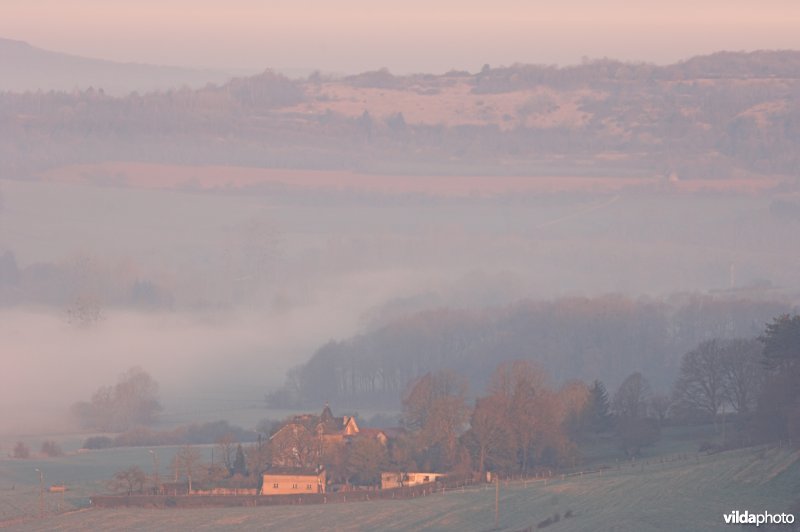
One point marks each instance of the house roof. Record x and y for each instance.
(325, 423)
(394, 432)
(293, 471)
(372, 433)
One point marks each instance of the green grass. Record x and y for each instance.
(689, 494)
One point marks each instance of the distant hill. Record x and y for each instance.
(728, 115)
(27, 68)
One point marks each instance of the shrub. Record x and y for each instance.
(544, 524)
(98, 442)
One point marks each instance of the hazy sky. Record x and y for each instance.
(403, 35)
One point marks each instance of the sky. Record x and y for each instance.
(405, 36)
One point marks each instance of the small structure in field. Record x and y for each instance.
(292, 481)
(397, 479)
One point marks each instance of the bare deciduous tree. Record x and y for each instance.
(188, 460)
(435, 407)
(132, 401)
(490, 434)
(130, 479)
(743, 373)
(632, 397)
(659, 406)
(631, 402)
(226, 447)
(700, 385)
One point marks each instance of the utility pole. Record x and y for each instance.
(41, 492)
(496, 499)
(155, 470)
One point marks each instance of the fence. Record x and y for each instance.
(200, 500)
(362, 495)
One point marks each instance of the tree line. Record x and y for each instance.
(583, 338)
(756, 379)
(523, 423)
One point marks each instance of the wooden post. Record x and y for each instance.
(496, 500)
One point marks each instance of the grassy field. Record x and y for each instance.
(684, 494)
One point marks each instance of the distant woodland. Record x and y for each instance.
(716, 116)
(602, 338)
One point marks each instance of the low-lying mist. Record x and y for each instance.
(218, 295)
(213, 358)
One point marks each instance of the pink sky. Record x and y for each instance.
(408, 35)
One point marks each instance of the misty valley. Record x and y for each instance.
(527, 297)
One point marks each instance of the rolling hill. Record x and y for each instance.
(24, 67)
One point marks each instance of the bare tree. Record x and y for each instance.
(130, 479)
(659, 406)
(490, 433)
(132, 401)
(188, 460)
(521, 386)
(743, 373)
(226, 446)
(436, 408)
(632, 397)
(294, 445)
(364, 460)
(634, 429)
(259, 456)
(701, 383)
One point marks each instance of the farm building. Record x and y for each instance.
(290, 481)
(396, 479)
(301, 440)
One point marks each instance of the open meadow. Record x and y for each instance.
(690, 493)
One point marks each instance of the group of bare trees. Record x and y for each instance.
(757, 379)
(584, 338)
(133, 401)
(232, 465)
(719, 374)
(635, 424)
(521, 423)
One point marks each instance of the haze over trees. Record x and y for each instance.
(134, 400)
(585, 338)
(631, 406)
(778, 410)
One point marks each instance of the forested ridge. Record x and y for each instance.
(717, 116)
(602, 338)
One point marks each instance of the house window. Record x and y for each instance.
(294, 486)
(308, 487)
(411, 478)
(275, 485)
